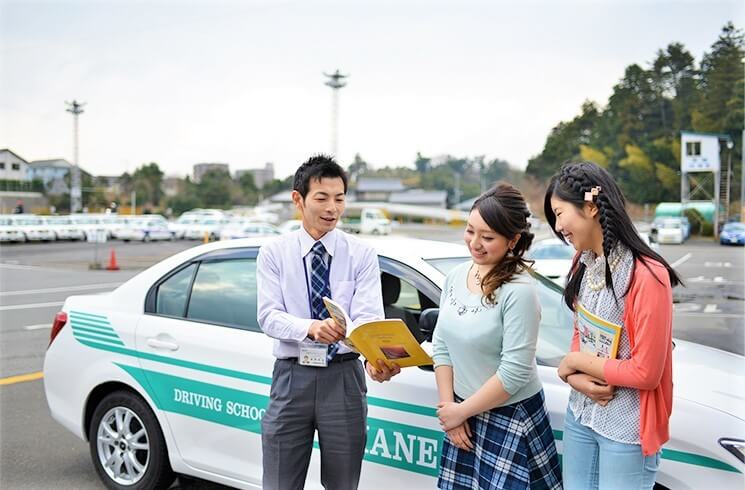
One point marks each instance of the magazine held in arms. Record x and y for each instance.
(597, 336)
(388, 339)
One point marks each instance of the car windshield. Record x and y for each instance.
(734, 227)
(445, 265)
(557, 251)
(670, 225)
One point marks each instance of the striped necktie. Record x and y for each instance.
(319, 282)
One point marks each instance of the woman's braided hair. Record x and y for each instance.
(573, 183)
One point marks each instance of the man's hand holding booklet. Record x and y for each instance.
(388, 340)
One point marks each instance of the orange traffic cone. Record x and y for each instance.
(112, 262)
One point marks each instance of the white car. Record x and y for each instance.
(9, 232)
(146, 229)
(171, 372)
(64, 228)
(91, 224)
(33, 227)
(248, 230)
(290, 225)
(670, 230)
(179, 227)
(205, 225)
(553, 259)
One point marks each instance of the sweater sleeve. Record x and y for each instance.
(520, 319)
(650, 300)
(440, 353)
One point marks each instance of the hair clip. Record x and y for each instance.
(590, 195)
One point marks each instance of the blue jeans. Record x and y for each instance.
(591, 461)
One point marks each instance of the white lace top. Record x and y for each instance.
(619, 420)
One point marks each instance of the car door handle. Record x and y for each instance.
(157, 343)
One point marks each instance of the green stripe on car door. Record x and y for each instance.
(669, 454)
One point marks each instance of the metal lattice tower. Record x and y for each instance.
(336, 81)
(76, 195)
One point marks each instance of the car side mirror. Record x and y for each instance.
(427, 322)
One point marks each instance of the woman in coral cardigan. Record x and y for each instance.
(617, 418)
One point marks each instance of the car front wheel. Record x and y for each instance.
(127, 445)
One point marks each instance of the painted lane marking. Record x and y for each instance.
(711, 308)
(61, 289)
(21, 378)
(681, 260)
(718, 264)
(31, 305)
(709, 315)
(26, 267)
(41, 326)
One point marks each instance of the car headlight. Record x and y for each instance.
(734, 446)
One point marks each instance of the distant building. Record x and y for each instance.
(465, 205)
(283, 197)
(202, 168)
(52, 173)
(262, 176)
(377, 189)
(420, 197)
(12, 166)
(111, 184)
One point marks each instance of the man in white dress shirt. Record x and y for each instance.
(318, 384)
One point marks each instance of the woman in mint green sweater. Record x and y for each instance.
(491, 400)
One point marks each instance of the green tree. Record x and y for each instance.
(422, 164)
(215, 190)
(357, 167)
(563, 142)
(146, 182)
(249, 194)
(277, 185)
(186, 199)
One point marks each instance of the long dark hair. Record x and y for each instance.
(504, 210)
(570, 184)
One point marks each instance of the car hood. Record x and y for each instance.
(552, 267)
(710, 377)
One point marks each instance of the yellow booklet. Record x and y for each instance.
(389, 339)
(597, 336)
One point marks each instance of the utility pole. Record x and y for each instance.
(335, 81)
(76, 195)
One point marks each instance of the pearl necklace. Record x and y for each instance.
(599, 285)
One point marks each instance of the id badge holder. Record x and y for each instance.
(313, 354)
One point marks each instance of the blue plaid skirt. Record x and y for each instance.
(513, 449)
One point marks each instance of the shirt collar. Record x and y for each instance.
(307, 241)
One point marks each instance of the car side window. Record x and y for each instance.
(406, 293)
(173, 293)
(556, 327)
(408, 298)
(224, 293)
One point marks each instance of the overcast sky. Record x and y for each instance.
(179, 82)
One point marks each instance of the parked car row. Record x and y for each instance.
(145, 228)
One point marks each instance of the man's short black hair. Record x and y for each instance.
(316, 168)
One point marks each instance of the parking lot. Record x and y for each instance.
(36, 278)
